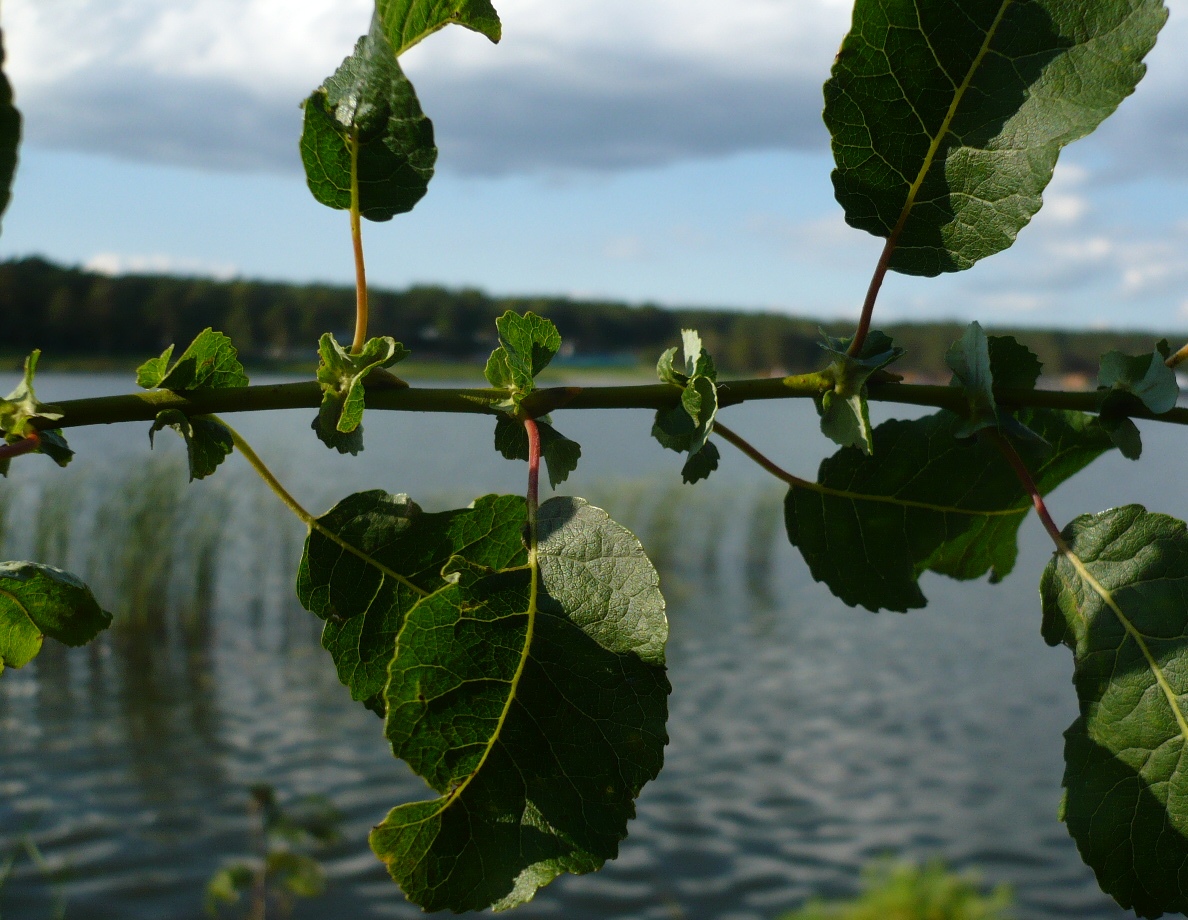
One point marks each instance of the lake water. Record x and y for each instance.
(808, 738)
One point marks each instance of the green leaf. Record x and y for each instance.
(208, 442)
(364, 600)
(1125, 435)
(845, 416)
(534, 701)
(364, 130)
(1145, 377)
(406, 22)
(947, 118)
(560, 454)
(210, 363)
(227, 886)
(341, 375)
(21, 409)
(10, 136)
(38, 601)
(527, 343)
(296, 874)
(1119, 600)
(687, 426)
(928, 500)
(1013, 365)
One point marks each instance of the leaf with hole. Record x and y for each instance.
(396, 557)
(534, 701)
(37, 601)
(1119, 600)
(366, 136)
(948, 117)
(929, 500)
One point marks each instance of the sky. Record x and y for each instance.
(665, 151)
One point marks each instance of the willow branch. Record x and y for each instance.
(144, 406)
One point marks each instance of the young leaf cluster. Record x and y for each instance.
(687, 426)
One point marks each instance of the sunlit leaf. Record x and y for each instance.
(406, 22)
(948, 117)
(210, 363)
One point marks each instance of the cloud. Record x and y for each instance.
(585, 85)
(114, 263)
(579, 85)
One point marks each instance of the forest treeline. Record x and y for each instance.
(73, 314)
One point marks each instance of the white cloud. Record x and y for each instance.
(585, 84)
(114, 263)
(626, 249)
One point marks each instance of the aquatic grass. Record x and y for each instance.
(898, 891)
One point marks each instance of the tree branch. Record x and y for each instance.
(144, 406)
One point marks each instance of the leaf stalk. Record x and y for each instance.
(361, 302)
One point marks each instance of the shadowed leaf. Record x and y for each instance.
(38, 601)
(534, 701)
(927, 500)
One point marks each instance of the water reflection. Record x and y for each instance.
(807, 738)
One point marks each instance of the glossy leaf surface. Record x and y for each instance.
(37, 601)
(534, 701)
(364, 600)
(1119, 600)
(948, 116)
(406, 22)
(365, 132)
(927, 500)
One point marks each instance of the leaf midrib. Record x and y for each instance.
(946, 124)
(906, 502)
(1108, 598)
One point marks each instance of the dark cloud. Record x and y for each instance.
(504, 123)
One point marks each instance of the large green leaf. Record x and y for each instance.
(1119, 600)
(948, 116)
(38, 601)
(406, 22)
(364, 598)
(365, 133)
(534, 701)
(10, 136)
(927, 500)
